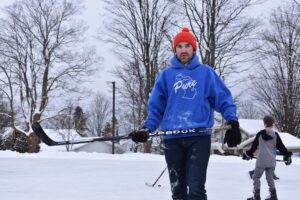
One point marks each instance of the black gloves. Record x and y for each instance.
(287, 158)
(233, 136)
(247, 155)
(141, 135)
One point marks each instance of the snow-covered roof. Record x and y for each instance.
(251, 126)
(99, 147)
(289, 140)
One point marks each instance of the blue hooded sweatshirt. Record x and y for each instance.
(185, 97)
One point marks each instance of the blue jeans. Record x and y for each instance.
(187, 160)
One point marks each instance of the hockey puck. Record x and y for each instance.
(158, 185)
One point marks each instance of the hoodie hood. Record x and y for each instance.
(194, 62)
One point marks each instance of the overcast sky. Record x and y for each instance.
(92, 15)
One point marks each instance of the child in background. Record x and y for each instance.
(266, 141)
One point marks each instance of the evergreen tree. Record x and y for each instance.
(79, 120)
(107, 130)
(4, 113)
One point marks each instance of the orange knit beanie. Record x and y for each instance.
(185, 36)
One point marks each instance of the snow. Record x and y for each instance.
(54, 174)
(60, 175)
(251, 126)
(290, 140)
(100, 147)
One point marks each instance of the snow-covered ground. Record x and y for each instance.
(57, 175)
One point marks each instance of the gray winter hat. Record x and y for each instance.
(268, 121)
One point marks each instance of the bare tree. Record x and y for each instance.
(42, 52)
(278, 86)
(248, 110)
(4, 113)
(133, 102)
(223, 32)
(138, 29)
(100, 111)
(65, 124)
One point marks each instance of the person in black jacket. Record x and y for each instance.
(266, 141)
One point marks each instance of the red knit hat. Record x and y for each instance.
(185, 36)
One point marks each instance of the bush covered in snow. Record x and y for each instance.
(15, 141)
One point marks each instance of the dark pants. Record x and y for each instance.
(187, 160)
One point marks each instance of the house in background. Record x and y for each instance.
(250, 127)
(100, 147)
(61, 135)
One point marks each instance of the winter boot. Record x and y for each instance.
(273, 195)
(275, 177)
(256, 195)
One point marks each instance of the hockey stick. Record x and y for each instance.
(37, 128)
(277, 160)
(188, 131)
(152, 185)
(254, 157)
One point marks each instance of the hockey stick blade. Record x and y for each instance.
(149, 184)
(37, 128)
(160, 175)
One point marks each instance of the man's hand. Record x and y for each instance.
(233, 136)
(141, 135)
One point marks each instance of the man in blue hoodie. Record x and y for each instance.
(184, 97)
